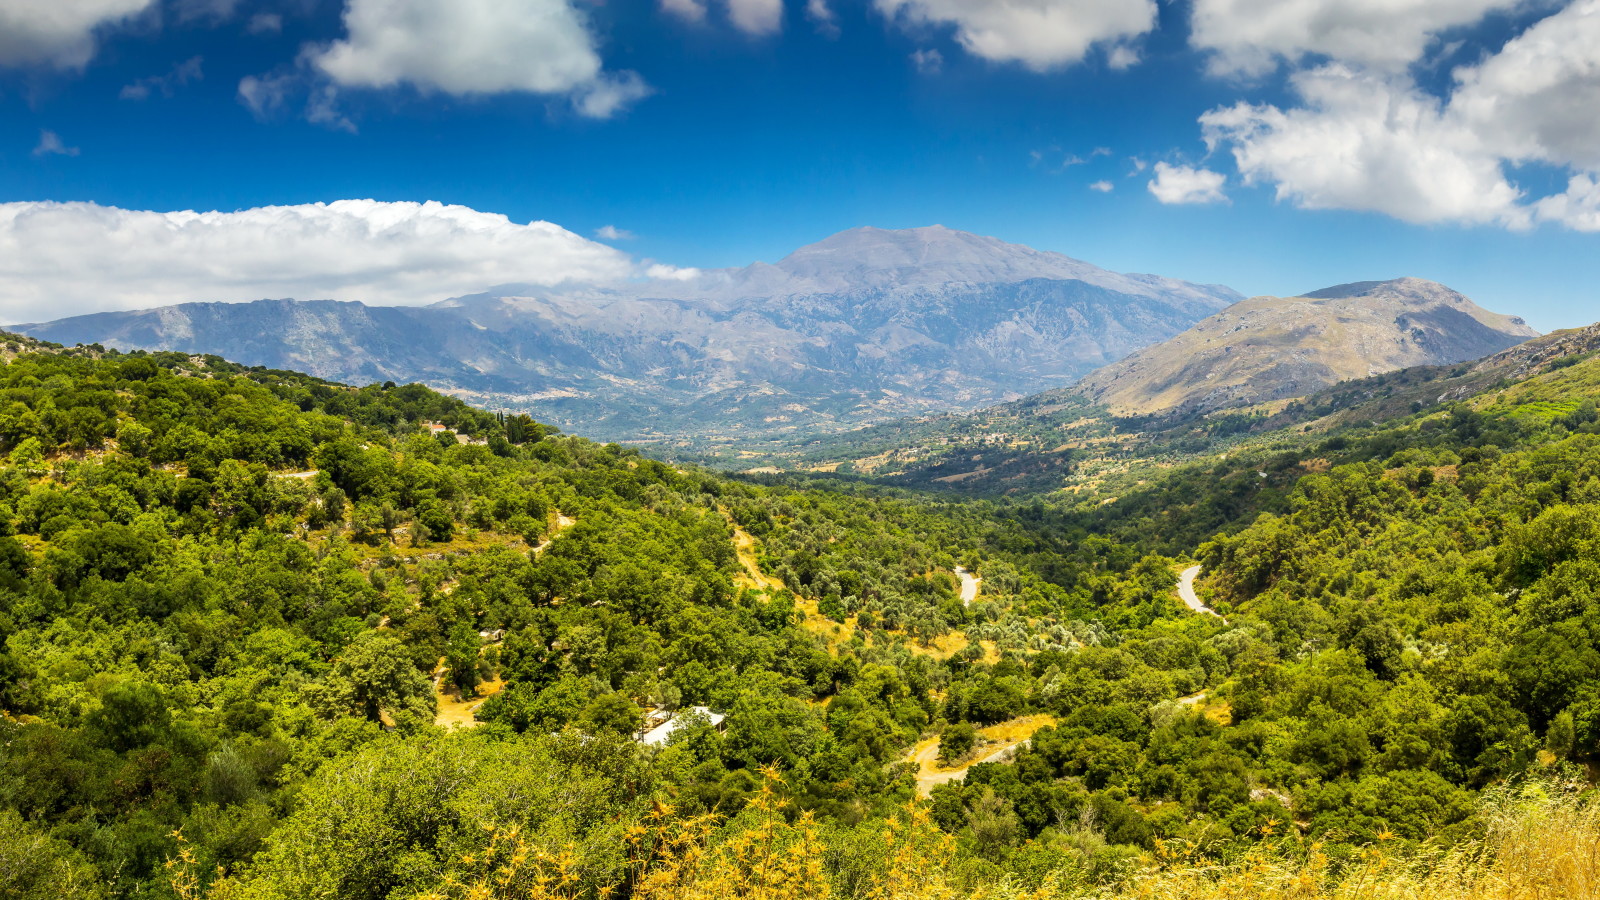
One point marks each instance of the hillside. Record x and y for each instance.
(245, 614)
(1272, 348)
(864, 326)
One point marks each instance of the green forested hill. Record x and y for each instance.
(244, 612)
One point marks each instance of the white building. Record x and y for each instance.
(658, 736)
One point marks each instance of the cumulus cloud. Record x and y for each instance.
(1039, 34)
(50, 145)
(469, 47)
(59, 259)
(1368, 140)
(1187, 184)
(1536, 100)
(1254, 36)
(165, 85)
(1104, 187)
(613, 233)
(1578, 208)
(928, 61)
(1363, 142)
(756, 17)
(59, 33)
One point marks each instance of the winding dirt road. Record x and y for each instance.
(928, 777)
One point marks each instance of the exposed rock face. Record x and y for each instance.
(1270, 348)
(866, 325)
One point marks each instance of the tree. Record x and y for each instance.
(461, 658)
(374, 676)
(613, 713)
(956, 741)
(435, 517)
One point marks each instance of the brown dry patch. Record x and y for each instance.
(963, 476)
(942, 647)
(458, 713)
(1015, 731)
(1219, 712)
(744, 546)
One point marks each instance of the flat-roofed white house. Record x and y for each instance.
(660, 734)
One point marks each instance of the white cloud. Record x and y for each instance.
(1253, 36)
(59, 33)
(1537, 99)
(265, 23)
(265, 95)
(50, 145)
(613, 233)
(757, 17)
(1578, 208)
(467, 47)
(1122, 57)
(822, 15)
(1363, 142)
(688, 10)
(1039, 34)
(1366, 140)
(165, 85)
(671, 273)
(60, 259)
(1104, 187)
(928, 61)
(1186, 184)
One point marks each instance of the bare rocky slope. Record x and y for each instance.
(865, 326)
(1272, 348)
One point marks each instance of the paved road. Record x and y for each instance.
(1187, 594)
(969, 585)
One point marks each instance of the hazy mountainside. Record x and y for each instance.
(1271, 348)
(1062, 439)
(864, 326)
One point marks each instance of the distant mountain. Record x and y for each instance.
(867, 325)
(1272, 348)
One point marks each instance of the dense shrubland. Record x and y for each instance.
(234, 603)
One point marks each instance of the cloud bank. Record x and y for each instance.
(62, 259)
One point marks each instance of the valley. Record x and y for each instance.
(307, 599)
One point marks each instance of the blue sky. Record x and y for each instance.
(1448, 139)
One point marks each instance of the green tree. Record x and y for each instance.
(374, 676)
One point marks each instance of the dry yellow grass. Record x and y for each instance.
(1015, 731)
(1539, 847)
(458, 713)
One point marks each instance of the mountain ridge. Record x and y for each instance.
(866, 325)
(1272, 348)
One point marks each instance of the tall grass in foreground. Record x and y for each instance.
(1539, 846)
(1541, 843)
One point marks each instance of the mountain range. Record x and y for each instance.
(865, 326)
